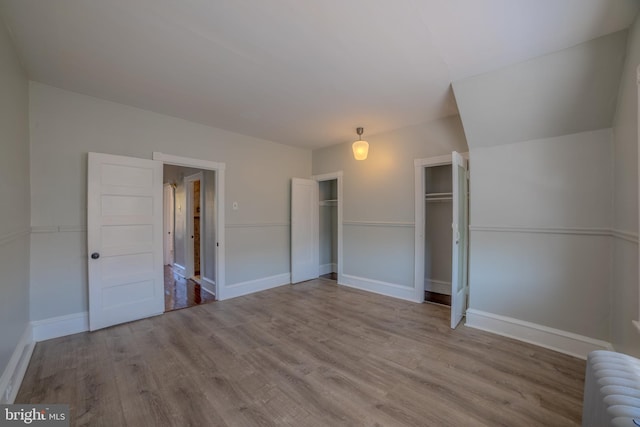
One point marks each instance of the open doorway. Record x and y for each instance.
(330, 225)
(441, 232)
(190, 278)
(328, 228)
(195, 213)
(316, 227)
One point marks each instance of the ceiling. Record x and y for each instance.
(302, 73)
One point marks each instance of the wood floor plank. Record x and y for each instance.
(312, 354)
(99, 400)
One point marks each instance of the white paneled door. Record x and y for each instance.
(304, 230)
(460, 228)
(124, 236)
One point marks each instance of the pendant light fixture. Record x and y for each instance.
(360, 147)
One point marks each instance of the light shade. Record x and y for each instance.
(360, 150)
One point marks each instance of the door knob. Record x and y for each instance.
(95, 255)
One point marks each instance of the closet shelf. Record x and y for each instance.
(331, 202)
(430, 195)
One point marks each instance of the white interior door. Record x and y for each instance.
(168, 216)
(124, 227)
(459, 283)
(304, 230)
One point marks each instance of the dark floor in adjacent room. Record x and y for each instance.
(182, 293)
(437, 298)
(330, 276)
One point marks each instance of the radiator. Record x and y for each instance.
(611, 390)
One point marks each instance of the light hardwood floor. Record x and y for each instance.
(312, 354)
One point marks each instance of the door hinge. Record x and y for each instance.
(467, 174)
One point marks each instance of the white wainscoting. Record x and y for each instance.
(11, 377)
(555, 339)
(258, 224)
(380, 223)
(14, 235)
(543, 336)
(59, 229)
(629, 236)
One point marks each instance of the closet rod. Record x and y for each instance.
(439, 199)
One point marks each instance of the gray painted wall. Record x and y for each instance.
(65, 126)
(625, 217)
(570, 91)
(14, 193)
(543, 156)
(559, 278)
(378, 199)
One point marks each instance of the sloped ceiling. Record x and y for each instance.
(304, 73)
(566, 92)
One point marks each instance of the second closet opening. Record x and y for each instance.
(438, 211)
(328, 228)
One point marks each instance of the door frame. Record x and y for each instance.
(189, 255)
(420, 166)
(329, 177)
(219, 198)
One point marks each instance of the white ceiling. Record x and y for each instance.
(303, 73)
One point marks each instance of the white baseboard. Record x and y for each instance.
(257, 285)
(13, 374)
(61, 326)
(555, 339)
(378, 287)
(179, 270)
(328, 268)
(438, 286)
(209, 286)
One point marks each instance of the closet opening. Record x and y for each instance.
(438, 211)
(441, 232)
(328, 229)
